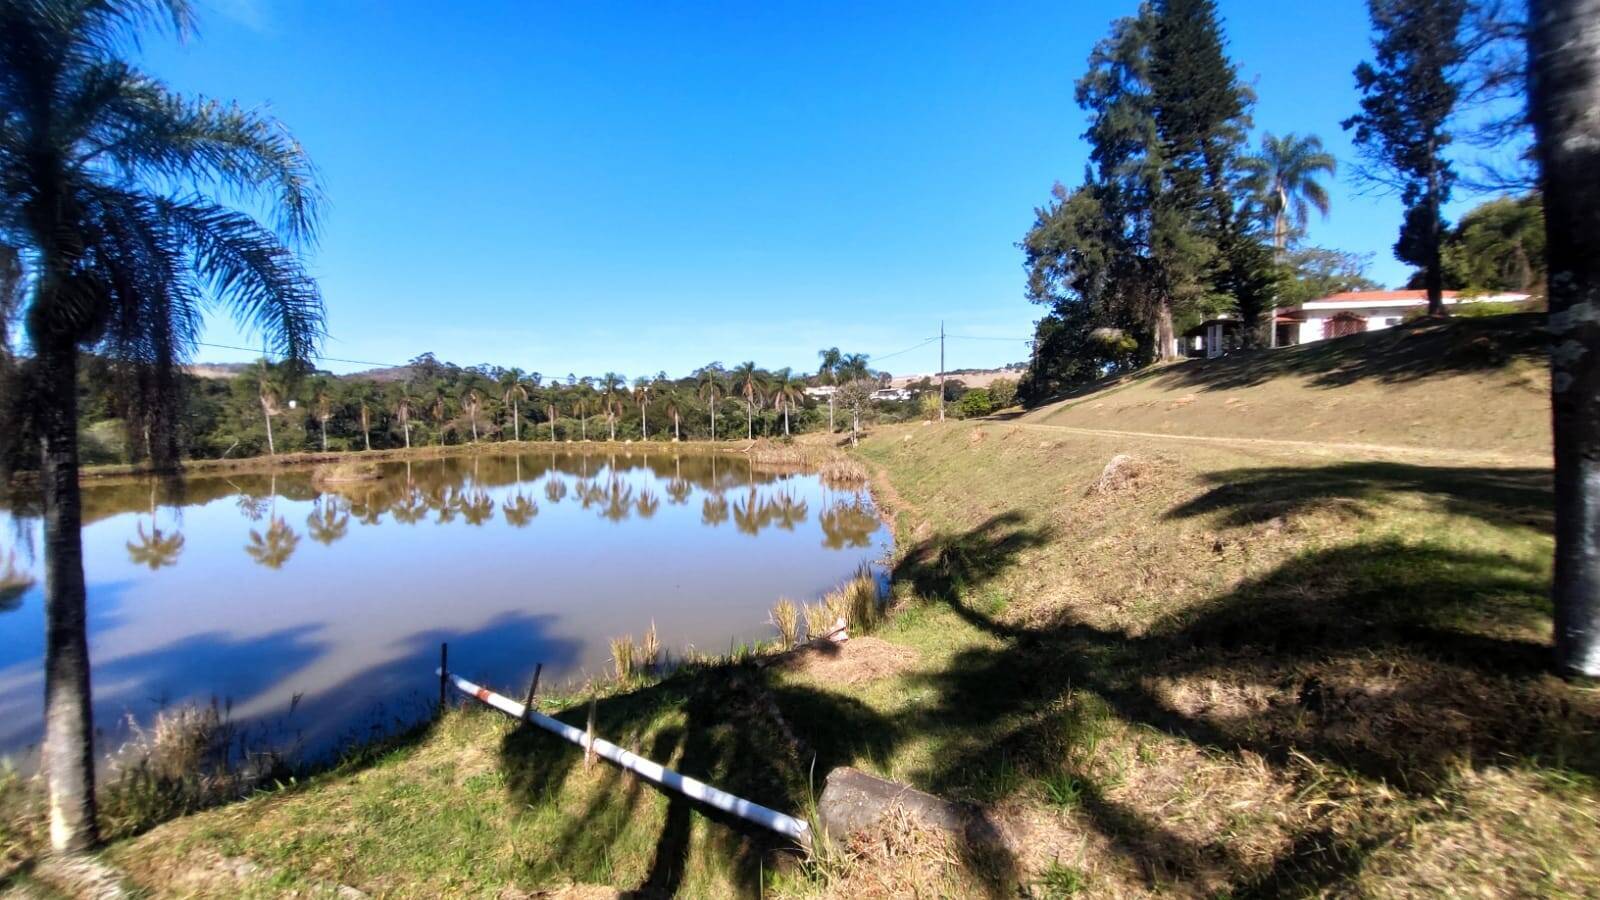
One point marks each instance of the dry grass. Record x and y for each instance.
(820, 621)
(624, 662)
(346, 472)
(785, 616)
(1479, 385)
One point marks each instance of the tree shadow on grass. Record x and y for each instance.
(1254, 495)
(715, 726)
(1404, 353)
(1398, 661)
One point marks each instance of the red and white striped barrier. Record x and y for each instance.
(782, 823)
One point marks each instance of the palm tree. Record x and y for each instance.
(471, 402)
(550, 411)
(673, 411)
(366, 397)
(105, 176)
(512, 391)
(439, 409)
(269, 390)
(747, 381)
(711, 390)
(641, 396)
(402, 411)
(786, 391)
(827, 375)
(611, 388)
(581, 406)
(1283, 178)
(322, 406)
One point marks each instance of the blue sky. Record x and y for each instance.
(592, 186)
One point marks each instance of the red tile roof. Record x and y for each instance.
(1372, 296)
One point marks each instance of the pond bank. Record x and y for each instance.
(1222, 670)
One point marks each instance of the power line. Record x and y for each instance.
(899, 352)
(973, 337)
(357, 362)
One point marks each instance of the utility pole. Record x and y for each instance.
(941, 370)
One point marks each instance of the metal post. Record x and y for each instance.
(533, 686)
(444, 675)
(941, 370)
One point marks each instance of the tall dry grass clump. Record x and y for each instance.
(786, 617)
(856, 601)
(623, 657)
(842, 472)
(650, 650)
(819, 621)
(188, 758)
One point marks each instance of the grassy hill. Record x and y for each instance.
(1472, 384)
(1155, 665)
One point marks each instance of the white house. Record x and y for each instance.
(1336, 315)
(1353, 312)
(821, 391)
(891, 394)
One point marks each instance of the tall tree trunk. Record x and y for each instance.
(1564, 53)
(1164, 334)
(786, 420)
(1433, 268)
(266, 416)
(68, 753)
(366, 429)
(611, 423)
(677, 432)
(644, 429)
(516, 422)
(749, 421)
(407, 426)
(830, 414)
(324, 434)
(713, 419)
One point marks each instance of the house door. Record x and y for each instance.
(1342, 324)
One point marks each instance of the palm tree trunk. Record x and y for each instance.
(407, 426)
(749, 421)
(68, 753)
(1564, 55)
(713, 419)
(830, 414)
(611, 423)
(677, 433)
(324, 434)
(366, 429)
(786, 420)
(473, 418)
(266, 415)
(516, 422)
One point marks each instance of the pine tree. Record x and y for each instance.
(1408, 93)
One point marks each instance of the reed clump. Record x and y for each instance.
(857, 602)
(650, 650)
(786, 617)
(819, 621)
(839, 471)
(624, 657)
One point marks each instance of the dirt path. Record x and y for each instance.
(1447, 455)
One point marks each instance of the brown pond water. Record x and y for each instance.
(317, 612)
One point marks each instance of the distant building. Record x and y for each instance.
(891, 394)
(1337, 315)
(821, 391)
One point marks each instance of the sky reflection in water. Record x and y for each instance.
(257, 588)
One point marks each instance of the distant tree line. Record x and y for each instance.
(1178, 219)
(285, 407)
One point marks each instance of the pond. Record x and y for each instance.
(314, 613)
